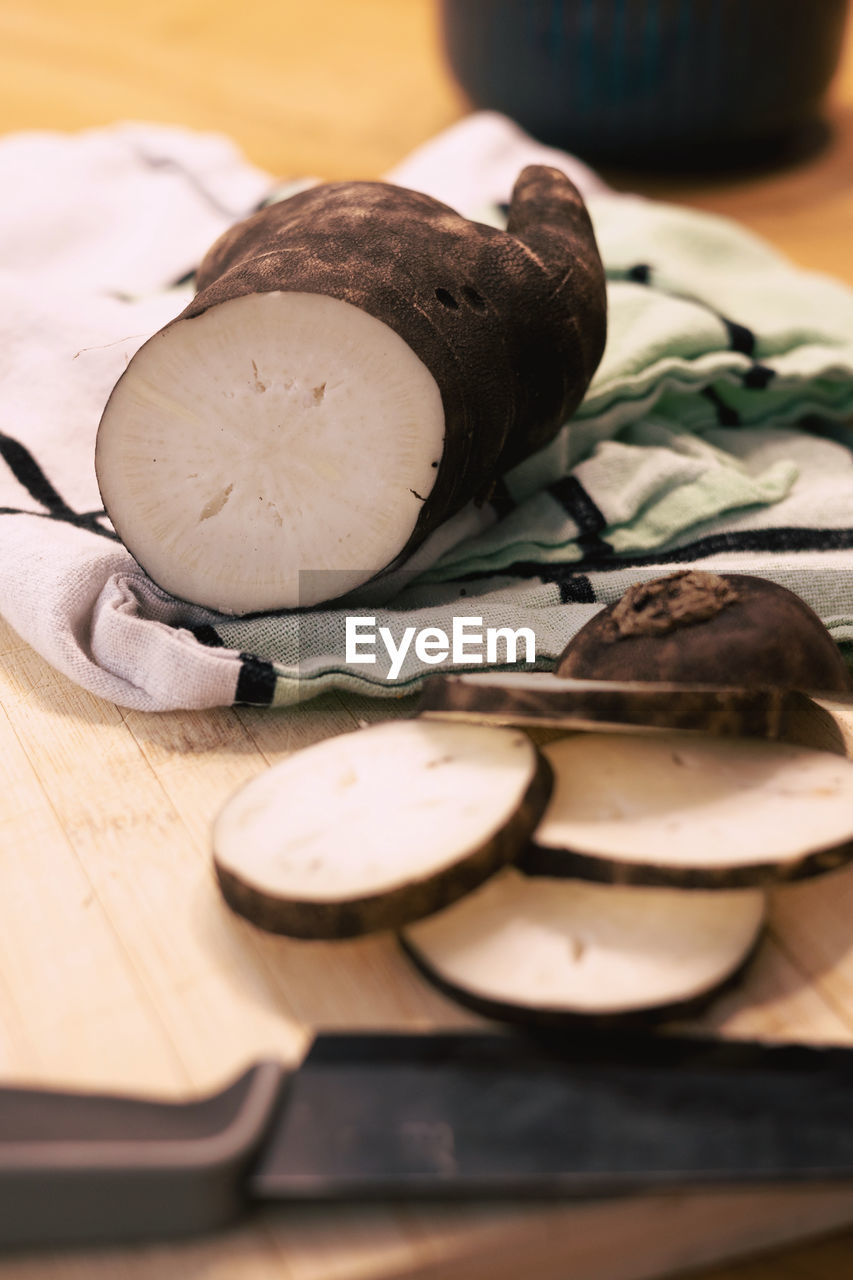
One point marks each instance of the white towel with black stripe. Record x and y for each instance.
(715, 433)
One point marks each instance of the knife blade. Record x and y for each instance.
(426, 1116)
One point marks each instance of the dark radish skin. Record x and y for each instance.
(540, 700)
(511, 324)
(724, 629)
(358, 343)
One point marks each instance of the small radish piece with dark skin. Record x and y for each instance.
(692, 811)
(360, 362)
(551, 952)
(724, 629)
(373, 829)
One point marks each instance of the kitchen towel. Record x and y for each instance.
(715, 433)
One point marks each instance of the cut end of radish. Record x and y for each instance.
(550, 950)
(680, 809)
(376, 828)
(270, 453)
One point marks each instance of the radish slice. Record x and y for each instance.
(376, 828)
(546, 951)
(540, 699)
(270, 453)
(692, 811)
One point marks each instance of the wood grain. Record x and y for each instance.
(332, 88)
(119, 965)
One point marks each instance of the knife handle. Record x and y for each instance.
(85, 1168)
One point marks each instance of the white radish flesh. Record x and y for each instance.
(677, 807)
(375, 828)
(270, 453)
(542, 950)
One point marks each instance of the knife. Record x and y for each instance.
(426, 1116)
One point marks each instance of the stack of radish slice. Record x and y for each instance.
(412, 825)
(607, 874)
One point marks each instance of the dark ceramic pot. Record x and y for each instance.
(662, 82)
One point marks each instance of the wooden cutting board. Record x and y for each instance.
(121, 968)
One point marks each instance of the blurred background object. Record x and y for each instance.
(334, 88)
(657, 83)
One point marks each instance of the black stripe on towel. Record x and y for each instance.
(170, 165)
(256, 682)
(758, 377)
(208, 636)
(28, 473)
(577, 503)
(30, 476)
(183, 280)
(89, 523)
(726, 415)
(575, 588)
(774, 540)
(740, 337)
(786, 540)
(500, 499)
(575, 500)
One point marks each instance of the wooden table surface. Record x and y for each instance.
(119, 965)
